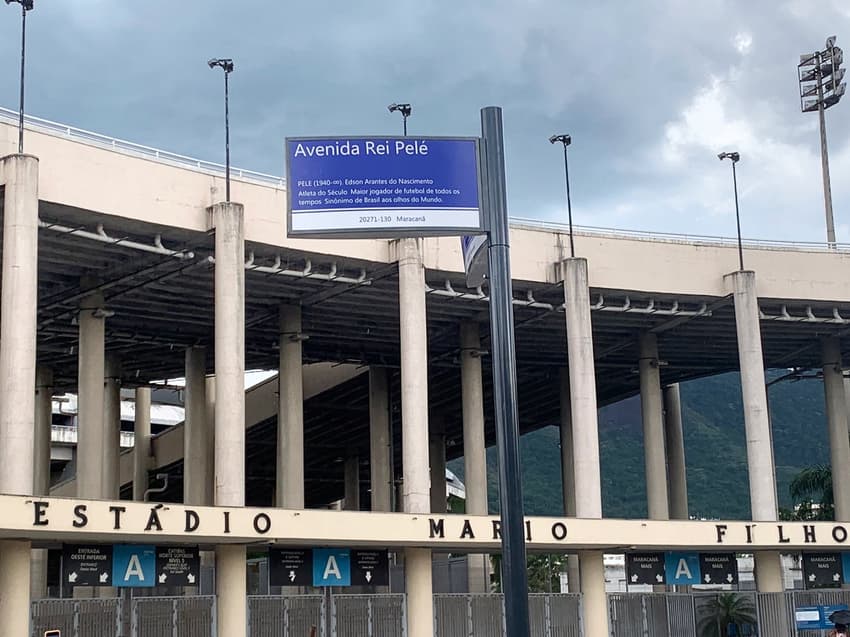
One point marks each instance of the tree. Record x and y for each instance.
(544, 572)
(811, 494)
(727, 614)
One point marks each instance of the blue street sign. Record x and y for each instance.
(383, 186)
(133, 566)
(331, 567)
(682, 568)
(816, 617)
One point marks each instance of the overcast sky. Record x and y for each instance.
(650, 90)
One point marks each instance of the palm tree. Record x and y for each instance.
(811, 492)
(724, 610)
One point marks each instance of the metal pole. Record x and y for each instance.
(569, 205)
(738, 217)
(824, 158)
(227, 135)
(404, 119)
(23, 59)
(514, 575)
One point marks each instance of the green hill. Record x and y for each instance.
(715, 450)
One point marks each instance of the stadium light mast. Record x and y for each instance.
(226, 65)
(566, 140)
(404, 109)
(26, 5)
(820, 76)
(735, 158)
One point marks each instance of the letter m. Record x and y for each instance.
(437, 528)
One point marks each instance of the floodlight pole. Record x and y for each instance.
(514, 574)
(824, 159)
(26, 5)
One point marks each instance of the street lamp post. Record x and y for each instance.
(566, 140)
(404, 109)
(735, 158)
(26, 5)
(820, 76)
(226, 65)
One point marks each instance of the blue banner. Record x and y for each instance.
(383, 186)
(331, 567)
(133, 566)
(682, 569)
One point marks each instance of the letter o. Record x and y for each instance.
(266, 520)
(839, 531)
(559, 530)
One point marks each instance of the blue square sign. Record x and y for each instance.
(682, 568)
(133, 565)
(331, 567)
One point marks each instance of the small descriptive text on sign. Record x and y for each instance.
(383, 187)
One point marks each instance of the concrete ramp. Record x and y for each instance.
(260, 405)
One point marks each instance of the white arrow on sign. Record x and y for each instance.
(836, 577)
(72, 577)
(291, 576)
(162, 578)
(730, 578)
(190, 578)
(707, 578)
(634, 578)
(104, 577)
(659, 578)
(368, 576)
(812, 577)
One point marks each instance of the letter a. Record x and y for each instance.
(331, 568)
(683, 569)
(134, 567)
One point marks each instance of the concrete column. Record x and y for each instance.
(652, 414)
(677, 475)
(230, 572)
(756, 419)
(437, 458)
(290, 429)
(209, 495)
(111, 427)
(568, 475)
(585, 430)
(142, 442)
(474, 446)
(836, 417)
(90, 390)
(380, 440)
(18, 304)
(41, 468)
(414, 417)
(352, 484)
(196, 464)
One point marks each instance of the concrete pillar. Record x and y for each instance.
(836, 417)
(196, 429)
(585, 429)
(437, 459)
(677, 476)
(90, 434)
(41, 468)
(18, 304)
(474, 447)
(380, 440)
(352, 484)
(652, 414)
(567, 474)
(142, 442)
(111, 427)
(230, 571)
(414, 419)
(290, 430)
(756, 419)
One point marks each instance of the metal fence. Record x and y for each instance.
(78, 617)
(173, 616)
(776, 610)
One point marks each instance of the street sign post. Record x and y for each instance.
(290, 567)
(822, 570)
(385, 187)
(178, 565)
(87, 565)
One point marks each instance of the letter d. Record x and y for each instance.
(192, 521)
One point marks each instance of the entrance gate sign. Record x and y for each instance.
(383, 187)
